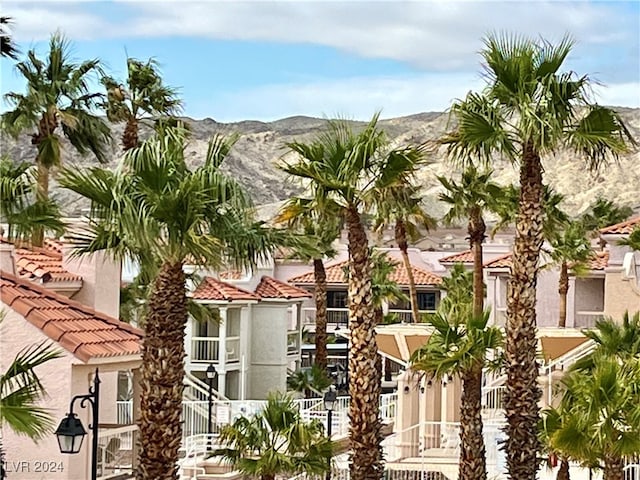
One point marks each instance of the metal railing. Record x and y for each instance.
(406, 316)
(207, 349)
(115, 450)
(339, 316)
(492, 398)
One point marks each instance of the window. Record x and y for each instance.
(427, 300)
(337, 299)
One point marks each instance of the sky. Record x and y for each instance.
(238, 60)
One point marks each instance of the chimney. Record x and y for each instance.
(100, 280)
(6, 257)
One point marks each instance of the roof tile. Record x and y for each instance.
(43, 264)
(269, 287)
(504, 261)
(460, 257)
(77, 328)
(623, 228)
(335, 274)
(214, 289)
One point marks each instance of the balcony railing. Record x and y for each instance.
(207, 349)
(293, 341)
(406, 316)
(340, 316)
(585, 319)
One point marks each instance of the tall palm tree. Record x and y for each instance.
(321, 228)
(7, 47)
(348, 167)
(58, 103)
(571, 249)
(459, 346)
(143, 95)
(529, 109)
(156, 210)
(470, 199)
(23, 213)
(276, 441)
(401, 206)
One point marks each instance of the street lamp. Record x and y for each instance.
(330, 398)
(211, 375)
(71, 432)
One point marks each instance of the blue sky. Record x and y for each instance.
(263, 60)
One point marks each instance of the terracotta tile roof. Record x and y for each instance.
(82, 331)
(623, 228)
(463, 257)
(503, 261)
(214, 289)
(599, 261)
(53, 245)
(335, 274)
(42, 264)
(269, 287)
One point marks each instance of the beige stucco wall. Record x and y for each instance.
(621, 294)
(268, 367)
(100, 281)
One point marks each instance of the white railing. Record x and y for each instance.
(205, 349)
(406, 316)
(586, 319)
(492, 397)
(196, 448)
(632, 472)
(124, 412)
(334, 316)
(233, 349)
(293, 341)
(563, 362)
(115, 450)
(388, 405)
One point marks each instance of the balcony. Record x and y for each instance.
(293, 342)
(340, 316)
(207, 349)
(587, 319)
(405, 316)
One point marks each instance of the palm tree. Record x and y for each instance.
(348, 167)
(633, 240)
(602, 213)
(601, 414)
(470, 199)
(144, 95)
(156, 210)
(321, 228)
(529, 109)
(23, 213)
(550, 423)
(459, 346)
(401, 206)
(58, 97)
(7, 46)
(276, 441)
(572, 251)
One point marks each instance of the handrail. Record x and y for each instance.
(570, 357)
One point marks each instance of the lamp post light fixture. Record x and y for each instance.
(71, 432)
(211, 375)
(330, 398)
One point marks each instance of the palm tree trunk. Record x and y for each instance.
(472, 450)
(162, 376)
(42, 193)
(522, 390)
(563, 288)
(46, 127)
(321, 313)
(401, 240)
(563, 471)
(477, 230)
(130, 134)
(613, 468)
(364, 430)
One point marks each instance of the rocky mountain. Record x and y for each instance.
(262, 144)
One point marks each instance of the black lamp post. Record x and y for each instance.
(330, 398)
(71, 432)
(211, 375)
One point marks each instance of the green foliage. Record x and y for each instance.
(154, 209)
(603, 213)
(382, 288)
(20, 208)
(571, 246)
(8, 48)
(459, 340)
(144, 93)
(276, 441)
(59, 89)
(308, 379)
(633, 241)
(529, 100)
(21, 391)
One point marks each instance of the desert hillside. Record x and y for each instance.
(262, 144)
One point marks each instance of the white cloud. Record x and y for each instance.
(434, 35)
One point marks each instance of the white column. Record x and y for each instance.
(222, 352)
(188, 342)
(571, 302)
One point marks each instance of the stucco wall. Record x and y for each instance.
(23, 456)
(268, 371)
(589, 294)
